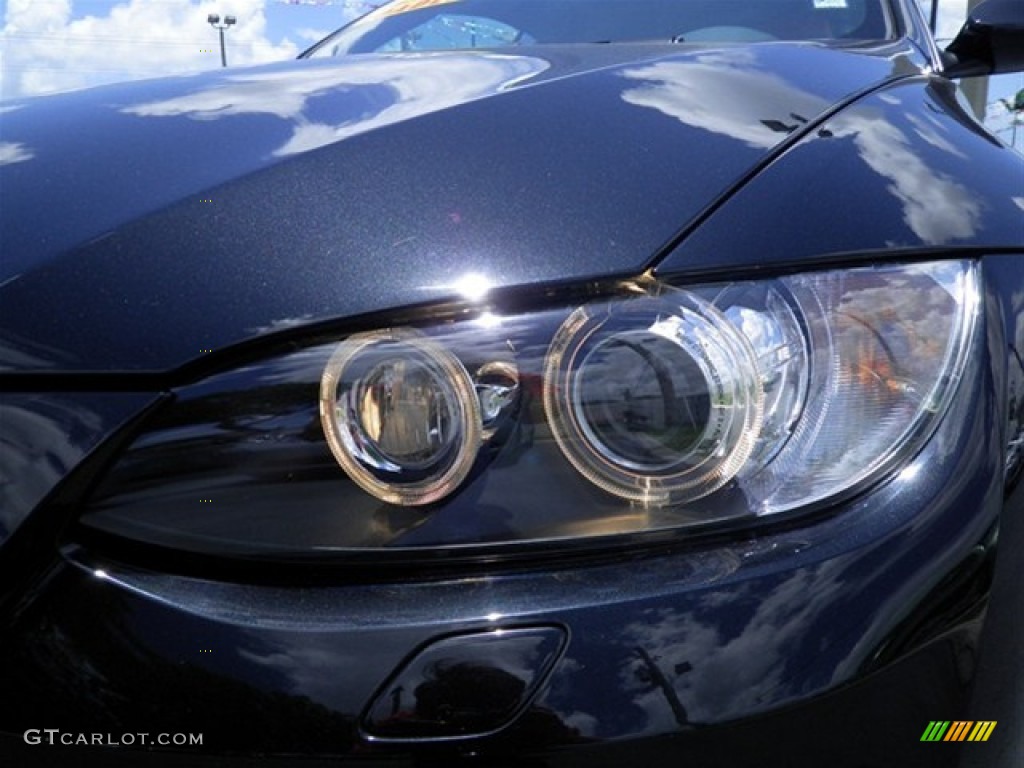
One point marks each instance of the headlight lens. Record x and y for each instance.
(658, 407)
(400, 415)
(655, 400)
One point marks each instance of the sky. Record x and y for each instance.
(57, 45)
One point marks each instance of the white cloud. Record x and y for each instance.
(46, 50)
(312, 35)
(952, 14)
(949, 20)
(12, 152)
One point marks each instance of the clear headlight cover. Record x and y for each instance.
(400, 415)
(655, 400)
(858, 366)
(661, 406)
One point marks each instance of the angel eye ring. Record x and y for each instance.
(401, 416)
(656, 400)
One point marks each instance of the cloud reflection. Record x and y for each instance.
(38, 446)
(717, 673)
(390, 90)
(13, 152)
(930, 130)
(328, 668)
(935, 207)
(725, 93)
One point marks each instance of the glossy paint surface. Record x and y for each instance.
(302, 192)
(904, 169)
(658, 645)
(828, 640)
(44, 437)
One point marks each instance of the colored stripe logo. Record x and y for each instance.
(958, 730)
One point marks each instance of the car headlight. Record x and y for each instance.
(401, 416)
(655, 400)
(649, 407)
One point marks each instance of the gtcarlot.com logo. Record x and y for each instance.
(54, 736)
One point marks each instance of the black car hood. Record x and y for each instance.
(146, 223)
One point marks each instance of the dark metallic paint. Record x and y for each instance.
(855, 628)
(209, 274)
(909, 159)
(739, 630)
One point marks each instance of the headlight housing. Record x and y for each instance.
(653, 406)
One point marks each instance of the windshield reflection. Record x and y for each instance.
(417, 25)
